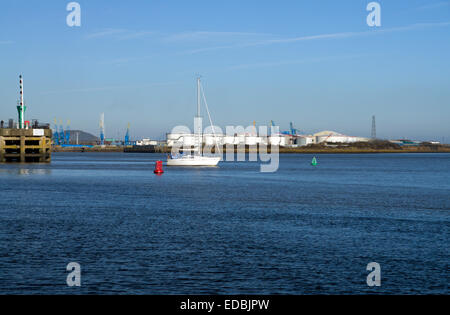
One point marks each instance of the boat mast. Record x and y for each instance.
(198, 120)
(198, 97)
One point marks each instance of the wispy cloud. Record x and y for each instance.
(106, 88)
(208, 35)
(5, 42)
(105, 33)
(434, 5)
(312, 37)
(341, 35)
(137, 34)
(119, 34)
(119, 61)
(125, 60)
(416, 26)
(294, 62)
(206, 49)
(236, 40)
(275, 41)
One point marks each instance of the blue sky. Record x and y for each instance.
(316, 63)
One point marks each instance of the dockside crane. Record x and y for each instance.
(294, 131)
(127, 136)
(102, 129)
(56, 134)
(67, 133)
(61, 132)
(272, 125)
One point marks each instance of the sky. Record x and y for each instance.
(316, 63)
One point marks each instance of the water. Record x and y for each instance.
(227, 230)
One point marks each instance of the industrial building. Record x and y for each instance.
(410, 143)
(146, 142)
(282, 139)
(187, 139)
(335, 137)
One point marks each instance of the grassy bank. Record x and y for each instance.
(366, 150)
(361, 147)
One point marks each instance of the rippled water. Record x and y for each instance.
(226, 230)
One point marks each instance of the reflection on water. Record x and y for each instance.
(26, 171)
(226, 230)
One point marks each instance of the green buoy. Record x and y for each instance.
(314, 161)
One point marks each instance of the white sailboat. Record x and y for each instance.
(196, 159)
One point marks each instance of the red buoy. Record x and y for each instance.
(159, 167)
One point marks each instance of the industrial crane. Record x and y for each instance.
(127, 136)
(61, 132)
(293, 130)
(56, 134)
(67, 133)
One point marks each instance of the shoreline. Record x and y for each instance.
(350, 150)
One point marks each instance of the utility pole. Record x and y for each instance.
(374, 128)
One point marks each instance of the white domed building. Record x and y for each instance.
(335, 137)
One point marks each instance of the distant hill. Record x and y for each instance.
(83, 137)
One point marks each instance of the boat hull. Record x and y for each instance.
(194, 161)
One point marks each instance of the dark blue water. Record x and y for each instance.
(227, 230)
